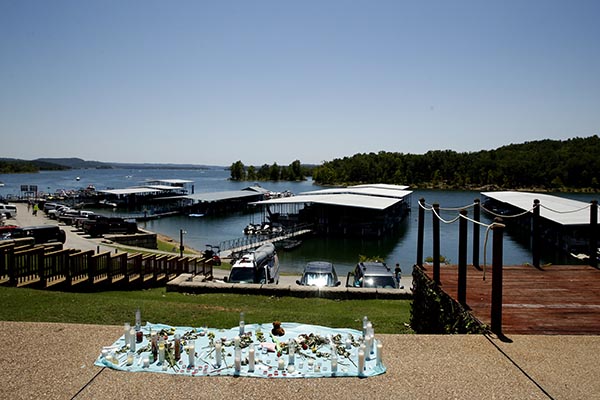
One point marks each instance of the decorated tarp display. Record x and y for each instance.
(283, 350)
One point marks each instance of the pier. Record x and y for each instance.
(555, 300)
(522, 299)
(230, 248)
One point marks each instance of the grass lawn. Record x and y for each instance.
(214, 310)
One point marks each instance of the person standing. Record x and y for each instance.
(35, 209)
(398, 275)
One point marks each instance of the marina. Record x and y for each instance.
(342, 251)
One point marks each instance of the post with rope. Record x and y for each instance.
(420, 232)
(436, 243)
(462, 258)
(497, 259)
(535, 234)
(477, 219)
(594, 234)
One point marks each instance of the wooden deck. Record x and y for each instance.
(560, 299)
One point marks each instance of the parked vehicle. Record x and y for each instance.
(372, 275)
(105, 225)
(70, 216)
(41, 234)
(9, 210)
(259, 266)
(319, 273)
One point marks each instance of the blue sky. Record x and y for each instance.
(212, 82)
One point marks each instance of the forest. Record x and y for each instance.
(293, 172)
(13, 166)
(571, 164)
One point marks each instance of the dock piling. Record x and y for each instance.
(497, 261)
(477, 218)
(535, 234)
(594, 234)
(420, 232)
(436, 243)
(462, 258)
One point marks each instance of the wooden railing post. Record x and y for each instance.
(420, 232)
(462, 258)
(535, 234)
(477, 218)
(436, 243)
(497, 261)
(594, 234)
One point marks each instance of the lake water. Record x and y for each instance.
(343, 252)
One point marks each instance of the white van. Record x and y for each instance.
(259, 266)
(9, 210)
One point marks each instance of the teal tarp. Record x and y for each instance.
(312, 356)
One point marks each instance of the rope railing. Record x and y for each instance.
(566, 212)
(443, 220)
(508, 216)
(453, 208)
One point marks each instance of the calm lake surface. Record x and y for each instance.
(343, 252)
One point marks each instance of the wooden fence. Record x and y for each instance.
(24, 264)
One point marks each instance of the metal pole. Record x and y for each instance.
(535, 233)
(594, 234)
(497, 256)
(462, 258)
(420, 232)
(476, 217)
(181, 247)
(436, 244)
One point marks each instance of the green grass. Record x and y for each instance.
(213, 310)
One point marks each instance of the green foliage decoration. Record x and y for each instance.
(434, 312)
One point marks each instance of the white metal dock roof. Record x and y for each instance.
(225, 195)
(365, 191)
(137, 190)
(348, 200)
(558, 209)
(170, 181)
(378, 196)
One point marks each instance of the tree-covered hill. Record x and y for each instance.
(14, 166)
(543, 164)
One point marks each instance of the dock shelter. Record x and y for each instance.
(362, 210)
(224, 201)
(564, 223)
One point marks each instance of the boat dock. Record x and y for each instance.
(229, 248)
(562, 223)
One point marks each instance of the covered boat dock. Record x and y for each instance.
(566, 224)
(225, 201)
(362, 210)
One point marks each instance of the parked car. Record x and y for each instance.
(372, 274)
(259, 266)
(41, 234)
(319, 273)
(106, 225)
(9, 210)
(70, 216)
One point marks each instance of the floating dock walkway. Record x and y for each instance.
(230, 248)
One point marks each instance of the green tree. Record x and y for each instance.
(238, 172)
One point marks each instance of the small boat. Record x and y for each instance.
(290, 244)
(196, 215)
(1, 184)
(107, 204)
(78, 179)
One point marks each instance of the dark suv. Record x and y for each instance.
(372, 274)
